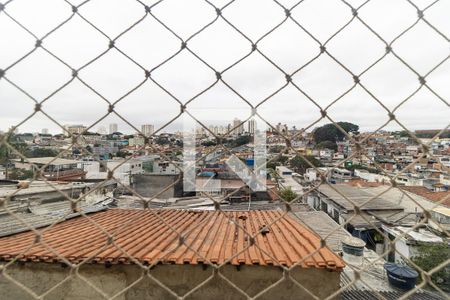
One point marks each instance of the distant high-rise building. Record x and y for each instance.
(147, 129)
(238, 127)
(251, 126)
(44, 131)
(113, 128)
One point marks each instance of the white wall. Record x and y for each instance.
(403, 249)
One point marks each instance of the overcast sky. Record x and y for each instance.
(149, 44)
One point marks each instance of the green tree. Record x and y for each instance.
(20, 174)
(42, 152)
(327, 145)
(402, 133)
(430, 256)
(161, 140)
(123, 154)
(287, 194)
(274, 175)
(241, 140)
(208, 143)
(7, 153)
(276, 149)
(4, 154)
(330, 132)
(299, 164)
(354, 167)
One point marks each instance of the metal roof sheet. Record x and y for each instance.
(344, 195)
(54, 161)
(324, 226)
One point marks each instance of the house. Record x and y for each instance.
(122, 169)
(54, 168)
(161, 166)
(407, 240)
(313, 174)
(283, 171)
(340, 175)
(161, 186)
(361, 212)
(210, 246)
(374, 282)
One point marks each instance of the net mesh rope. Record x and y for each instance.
(149, 74)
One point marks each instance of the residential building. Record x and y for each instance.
(282, 128)
(113, 128)
(340, 175)
(136, 141)
(161, 166)
(238, 127)
(147, 129)
(123, 170)
(74, 129)
(340, 200)
(287, 179)
(251, 126)
(55, 168)
(407, 241)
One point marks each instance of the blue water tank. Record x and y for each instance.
(207, 174)
(400, 276)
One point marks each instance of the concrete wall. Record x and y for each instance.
(180, 279)
(148, 185)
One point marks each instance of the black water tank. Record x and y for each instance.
(401, 276)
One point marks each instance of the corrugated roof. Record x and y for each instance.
(55, 161)
(42, 215)
(324, 226)
(147, 239)
(442, 197)
(357, 196)
(370, 295)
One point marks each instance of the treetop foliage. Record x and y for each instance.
(330, 132)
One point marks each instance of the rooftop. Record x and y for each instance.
(410, 201)
(366, 294)
(147, 239)
(324, 226)
(205, 203)
(362, 183)
(37, 187)
(422, 191)
(356, 195)
(53, 161)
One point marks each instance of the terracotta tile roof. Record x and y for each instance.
(429, 195)
(149, 240)
(362, 183)
(272, 192)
